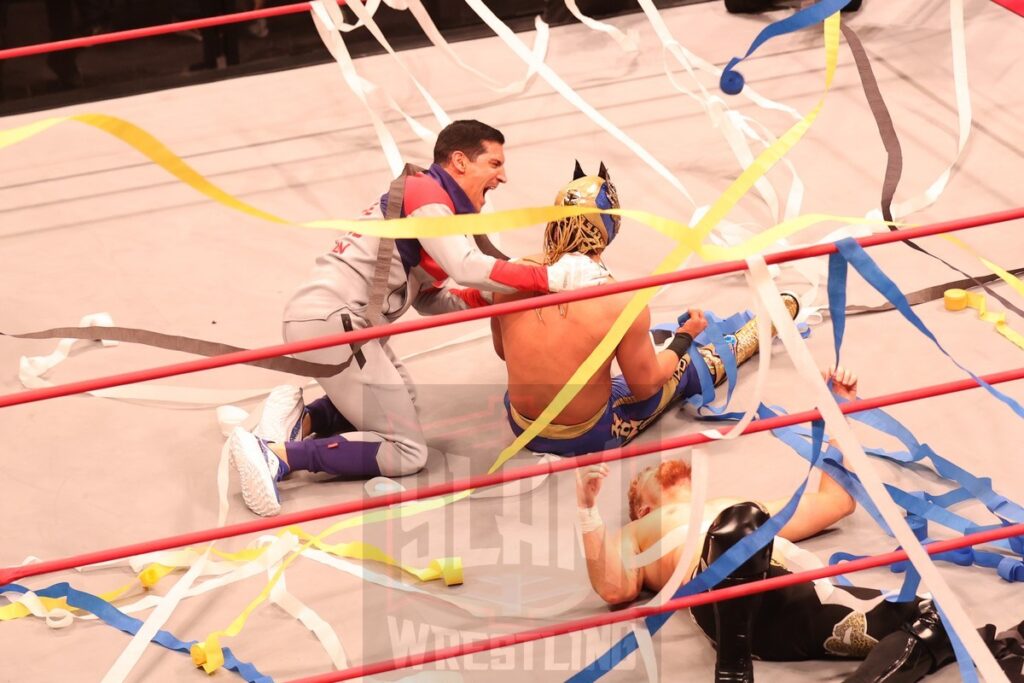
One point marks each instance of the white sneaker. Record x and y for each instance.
(281, 420)
(258, 469)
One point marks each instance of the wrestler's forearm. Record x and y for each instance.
(668, 361)
(671, 357)
(817, 511)
(608, 576)
(658, 374)
(839, 498)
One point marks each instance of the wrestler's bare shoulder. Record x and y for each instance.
(652, 527)
(610, 305)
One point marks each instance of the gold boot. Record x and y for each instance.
(746, 342)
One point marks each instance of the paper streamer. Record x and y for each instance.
(627, 41)
(328, 32)
(959, 299)
(540, 48)
(894, 154)
(737, 189)
(735, 127)
(694, 530)
(1004, 275)
(851, 448)
(730, 197)
(560, 86)
(117, 619)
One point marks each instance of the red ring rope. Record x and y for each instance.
(149, 31)
(488, 311)
(10, 575)
(14, 573)
(631, 613)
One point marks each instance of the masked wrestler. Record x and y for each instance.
(366, 280)
(899, 642)
(543, 347)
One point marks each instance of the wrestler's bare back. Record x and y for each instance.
(544, 347)
(654, 526)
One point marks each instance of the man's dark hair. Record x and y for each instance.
(466, 136)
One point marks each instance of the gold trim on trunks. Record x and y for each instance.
(558, 432)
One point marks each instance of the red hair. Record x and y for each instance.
(669, 473)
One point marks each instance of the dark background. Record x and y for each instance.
(117, 69)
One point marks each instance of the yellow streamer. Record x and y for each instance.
(959, 299)
(448, 569)
(1006, 276)
(707, 223)
(150, 147)
(691, 240)
(147, 578)
(469, 224)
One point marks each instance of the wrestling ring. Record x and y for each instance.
(469, 556)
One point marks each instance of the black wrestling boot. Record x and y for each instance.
(1007, 648)
(734, 618)
(908, 655)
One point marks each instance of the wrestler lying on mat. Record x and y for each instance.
(543, 347)
(901, 642)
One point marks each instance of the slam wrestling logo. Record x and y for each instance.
(521, 557)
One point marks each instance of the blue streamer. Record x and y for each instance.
(837, 272)
(855, 255)
(130, 625)
(710, 577)
(849, 252)
(732, 81)
(852, 253)
(963, 657)
(717, 331)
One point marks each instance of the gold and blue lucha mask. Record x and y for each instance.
(588, 233)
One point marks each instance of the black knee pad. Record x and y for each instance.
(734, 619)
(731, 526)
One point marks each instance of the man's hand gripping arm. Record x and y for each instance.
(463, 261)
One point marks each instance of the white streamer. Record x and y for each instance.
(334, 12)
(328, 31)
(166, 605)
(540, 49)
(695, 528)
(129, 657)
(308, 617)
(851, 448)
(733, 125)
(963, 113)
(556, 82)
(627, 41)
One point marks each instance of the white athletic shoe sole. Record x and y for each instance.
(281, 419)
(259, 490)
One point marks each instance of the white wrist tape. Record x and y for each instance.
(574, 271)
(589, 519)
